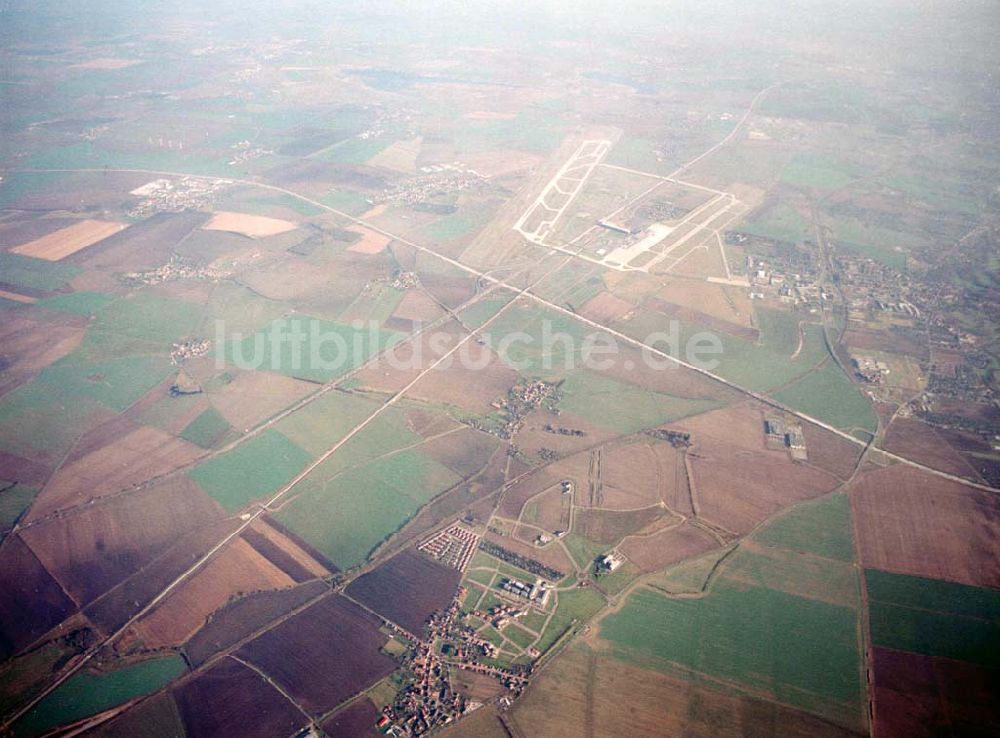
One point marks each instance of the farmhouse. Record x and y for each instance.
(610, 561)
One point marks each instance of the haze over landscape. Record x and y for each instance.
(499, 369)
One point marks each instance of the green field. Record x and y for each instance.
(452, 227)
(313, 349)
(149, 318)
(386, 433)
(780, 615)
(347, 201)
(88, 693)
(518, 636)
(236, 309)
(346, 516)
(829, 395)
(779, 329)
(575, 605)
(324, 421)
(934, 617)
(14, 500)
(583, 550)
(377, 304)
(116, 383)
(819, 171)
(884, 245)
(623, 407)
(759, 366)
(41, 419)
(251, 470)
(802, 651)
(356, 150)
(822, 528)
(778, 222)
(37, 274)
(207, 429)
(78, 303)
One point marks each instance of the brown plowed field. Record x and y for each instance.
(29, 343)
(657, 551)
(277, 538)
(230, 699)
(93, 549)
(17, 469)
(60, 244)
(738, 490)
(549, 511)
(451, 291)
(465, 451)
(672, 380)
(632, 476)
(830, 452)
(235, 571)
(739, 425)
(255, 396)
(605, 307)
(324, 654)
(911, 522)
(357, 720)
(243, 617)
(472, 389)
(31, 601)
(532, 438)
(920, 442)
(416, 305)
(917, 696)
(142, 246)
(144, 453)
(610, 526)
(126, 599)
(515, 497)
(407, 589)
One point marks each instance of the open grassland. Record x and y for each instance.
(77, 303)
(818, 171)
(822, 528)
(115, 384)
(624, 407)
(150, 318)
(316, 350)
(934, 617)
(14, 500)
(779, 222)
(320, 424)
(207, 430)
(41, 422)
(347, 516)
(250, 471)
(88, 693)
